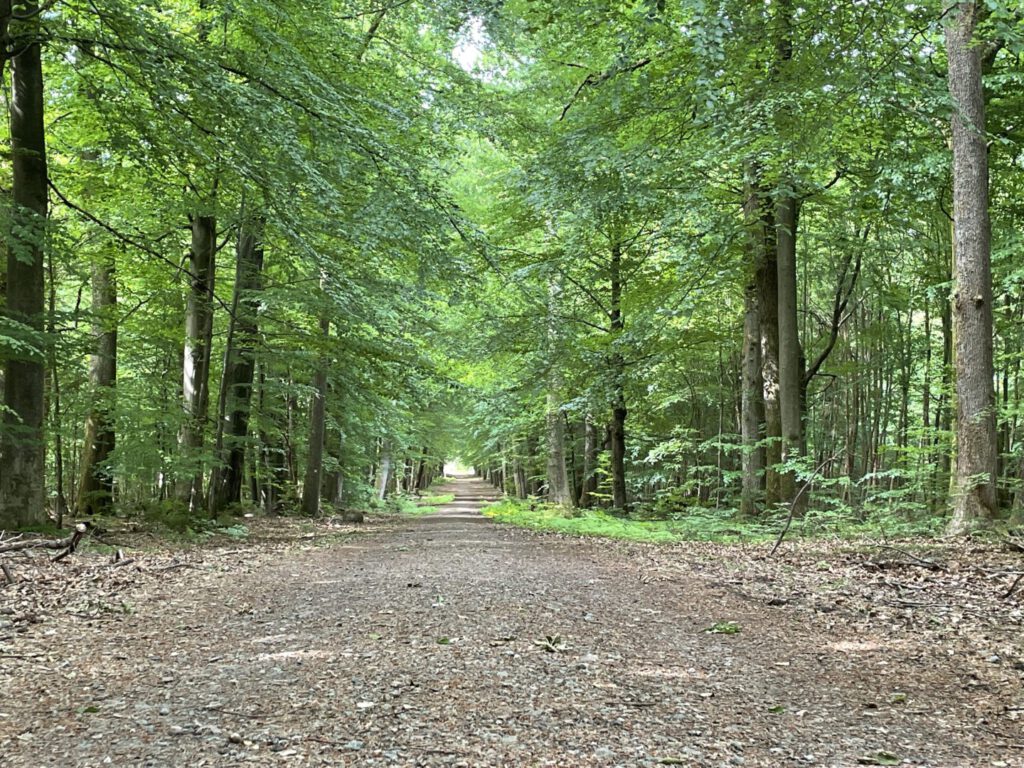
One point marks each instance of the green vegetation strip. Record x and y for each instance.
(425, 505)
(698, 524)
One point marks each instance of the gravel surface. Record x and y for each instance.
(447, 640)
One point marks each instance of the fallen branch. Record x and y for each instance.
(917, 560)
(72, 545)
(792, 504)
(68, 543)
(1013, 587)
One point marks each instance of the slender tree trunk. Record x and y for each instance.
(590, 451)
(383, 469)
(620, 500)
(196, 368)
(790, 353)
(752, 408)
(95, 488)
(273, 468)
(767, 281)
(57, 413)
(557, 475)
(522, 455)
(317, 431)
(974, 493)
(421, 471)
(22, 445)
(235, 401)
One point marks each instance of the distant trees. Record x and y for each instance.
(178, 133)
(663, 259)
(787, 155)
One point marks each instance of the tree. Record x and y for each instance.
(96, 486)
(974, 494)
(22, 448)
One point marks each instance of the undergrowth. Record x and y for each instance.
(704, 524)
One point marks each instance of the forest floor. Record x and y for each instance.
(449, 640)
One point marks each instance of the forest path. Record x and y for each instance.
(448, 640)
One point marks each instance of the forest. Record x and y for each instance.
(512, 383)
(722, 261)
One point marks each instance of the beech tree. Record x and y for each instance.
(647, 259)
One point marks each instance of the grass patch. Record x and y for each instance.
(409, 506)
(548, 517)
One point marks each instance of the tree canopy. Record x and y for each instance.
(746, 260)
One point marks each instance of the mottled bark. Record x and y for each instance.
(317, 431)
(235, 400)
(95, 488)
(790, 353)
(751, 407)
(766, 280)
(974, 493)
(559, 491)
(617, 367)
(196, 361)
(590, 452)
(383, 469)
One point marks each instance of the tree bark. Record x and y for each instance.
(95, 488)
(557, 475)
(196, 361)
(235, 401)
(620, 500)
(751, 408)
(317, 431)
(590, 450)
(790, 353)
(22, 446)
(383, 469)
(767, 279)
(974, 490)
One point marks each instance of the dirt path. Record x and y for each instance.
(451, 641)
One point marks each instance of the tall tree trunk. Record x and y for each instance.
(196, 366)
(383, 469)
(56, 417)
(317, 431)
(421, 472)
(590, 451)
(273, 470)
(557, 474)
(767, 280)
(790, 353)
(620, 500)
(752, 408)
(235, 400)
(521, 457)
(95, 488)
(22, 446)
(558, 477)
(974, 492)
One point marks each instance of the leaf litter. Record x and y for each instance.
(312, 649)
